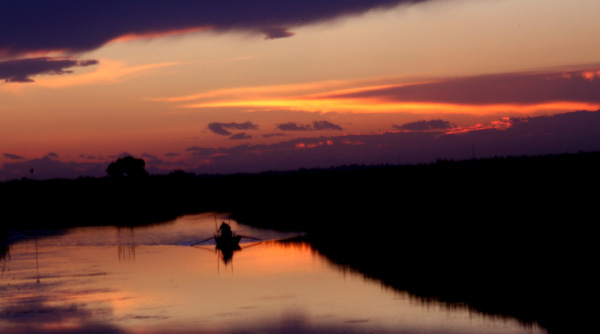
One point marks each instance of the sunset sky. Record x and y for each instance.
(190, 84)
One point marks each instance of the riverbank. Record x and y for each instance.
(508, 237)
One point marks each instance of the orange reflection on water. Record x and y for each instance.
(266, 287)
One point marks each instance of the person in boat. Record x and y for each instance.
(225, 230)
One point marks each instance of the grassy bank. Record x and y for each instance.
(513, 236)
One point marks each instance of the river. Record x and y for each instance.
(152, 280)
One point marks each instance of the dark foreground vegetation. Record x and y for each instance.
(505, 236)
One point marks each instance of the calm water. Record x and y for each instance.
(150, 280)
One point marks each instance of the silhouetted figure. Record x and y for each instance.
(225, 230)
(226, 240)
(128, 166)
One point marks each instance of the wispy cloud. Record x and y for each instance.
(504, 137)
(316, 126)
(433, 125)
(203, 151)
(107, 71)
(21, 70)
(269, 135)
(90, 157)
(12, 156)
(292, 126)
(241, 135)
(223, 128)
(261, 92)
(484, 94)
(276, 32)
(150, 156)
(326, 125)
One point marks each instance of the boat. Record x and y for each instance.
(227, 241)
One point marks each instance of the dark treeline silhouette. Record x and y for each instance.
(127, 166)
(509, 236)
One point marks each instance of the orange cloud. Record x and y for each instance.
(590, 75)
(487, 94)
(158, 34)
(383, 106)
(260, 92)
(313, 145)
(502, 124)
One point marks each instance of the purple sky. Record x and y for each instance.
(419, 142)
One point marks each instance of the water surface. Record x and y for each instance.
(150, 280)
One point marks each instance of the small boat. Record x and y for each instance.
(227, 241)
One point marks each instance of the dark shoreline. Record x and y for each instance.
(507, 236)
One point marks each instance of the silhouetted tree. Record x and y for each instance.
(128, 166)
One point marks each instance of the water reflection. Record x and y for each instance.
(126, 253)
(4, 257)
(86, 288)
(126, 243)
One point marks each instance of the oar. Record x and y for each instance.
(204, 248)
(245, 236)
(199, 242)
(252, 245)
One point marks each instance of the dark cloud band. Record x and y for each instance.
(241, 135)
(517, 88)
(13, 156)
(325, 125)
(75, 25)
(291, 126)
(316, 126)
(433, 125)
(21, 70)
(223, 128)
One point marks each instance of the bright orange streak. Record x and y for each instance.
(335, 96)
(383, 106)
(259, 91)
(503, 124)
(350, 91)
(158, 34)
(313, 90)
